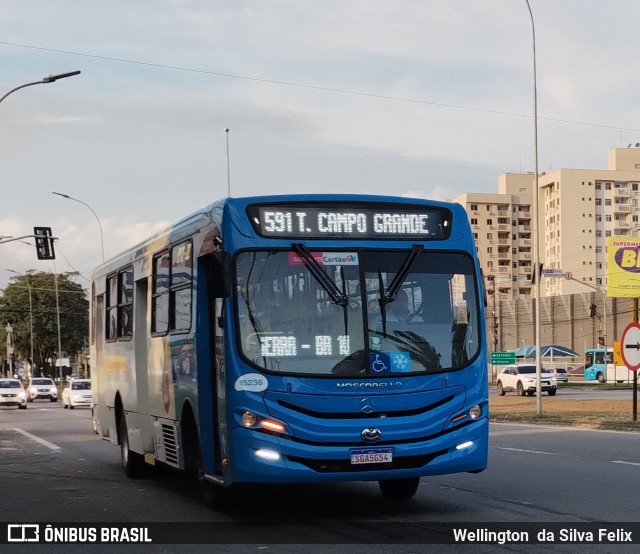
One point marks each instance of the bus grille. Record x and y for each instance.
(170, 443)
(334, 466)
(360, 415)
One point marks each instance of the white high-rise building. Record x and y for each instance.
(502, 227)
(579, 209)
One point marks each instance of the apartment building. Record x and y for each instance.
(578, 210)
(502, 227)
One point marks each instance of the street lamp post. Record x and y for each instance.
(30, 372)
(92, 211)
(536, 234)
(226, 132)
(49, 79)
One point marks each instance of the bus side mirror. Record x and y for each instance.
(218, 266)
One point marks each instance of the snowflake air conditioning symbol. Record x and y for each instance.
(400, 361)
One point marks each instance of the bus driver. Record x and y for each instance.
(399, 310)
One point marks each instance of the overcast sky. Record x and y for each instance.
(412, 97)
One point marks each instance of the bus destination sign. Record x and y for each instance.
(348, 221)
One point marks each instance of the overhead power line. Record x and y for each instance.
(315, 87)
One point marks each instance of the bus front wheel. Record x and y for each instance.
(216, 497)
(600, 378)
(399, 489)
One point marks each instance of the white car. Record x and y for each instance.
(77, 393)
(42, 387)
(12, 393)
(522, 380)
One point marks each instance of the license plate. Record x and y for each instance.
(371, 456)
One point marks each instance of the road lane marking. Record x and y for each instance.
(625, 463)
(43, 442)
(528, 451)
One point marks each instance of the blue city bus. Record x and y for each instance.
(260, 340)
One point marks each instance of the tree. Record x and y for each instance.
(74, 316)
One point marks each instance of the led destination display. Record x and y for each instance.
(350, 221)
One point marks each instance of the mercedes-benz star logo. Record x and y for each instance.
(367, 406)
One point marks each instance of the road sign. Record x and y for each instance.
(617, 353)
(503, 358)
(553, 273)
(631, 346)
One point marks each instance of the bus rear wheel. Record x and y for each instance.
(399, 489)
(132, 462)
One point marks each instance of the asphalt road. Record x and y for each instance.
(54, 468)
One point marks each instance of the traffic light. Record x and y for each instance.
(44, 243)
(540, 270)
(593, 310)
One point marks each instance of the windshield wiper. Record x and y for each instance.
(389, 295)
(336, 296)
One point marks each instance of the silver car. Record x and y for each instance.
(560, 373)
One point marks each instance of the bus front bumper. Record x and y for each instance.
(258, 457)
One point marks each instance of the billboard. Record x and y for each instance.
(623, 267)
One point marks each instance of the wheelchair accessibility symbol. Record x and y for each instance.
(378, 365)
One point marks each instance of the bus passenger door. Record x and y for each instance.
(141, 342)
(98, 385)
(211, 364)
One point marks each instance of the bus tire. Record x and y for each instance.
(399, 489)
(132, 462)
(600, 377)
(216, 497)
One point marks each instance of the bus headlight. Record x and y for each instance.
(249, 419)
(475, 412)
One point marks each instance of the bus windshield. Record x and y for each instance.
(292, 320)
